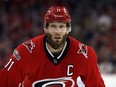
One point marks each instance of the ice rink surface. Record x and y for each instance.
(109, 79)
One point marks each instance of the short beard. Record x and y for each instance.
(56, 44)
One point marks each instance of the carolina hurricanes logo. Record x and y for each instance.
(29, 45)
(83, 50)
(57, 82)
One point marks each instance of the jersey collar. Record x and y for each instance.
(56, 59)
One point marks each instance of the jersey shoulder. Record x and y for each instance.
(82, 49)
(26, 49)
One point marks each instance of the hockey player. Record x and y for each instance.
(53, 59)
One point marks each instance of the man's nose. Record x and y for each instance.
(58, 30)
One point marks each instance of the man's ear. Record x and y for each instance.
(45, 30)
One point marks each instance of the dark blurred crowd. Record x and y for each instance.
(93, 23)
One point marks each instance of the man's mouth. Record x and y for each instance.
(57, 37)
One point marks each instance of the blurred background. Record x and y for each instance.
(93, 23)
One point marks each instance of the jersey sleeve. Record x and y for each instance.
(12, 75)
(93, 77)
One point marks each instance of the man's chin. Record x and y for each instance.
(57, 41)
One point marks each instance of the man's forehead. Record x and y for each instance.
(57, 23)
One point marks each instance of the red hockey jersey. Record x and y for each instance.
(33, 65)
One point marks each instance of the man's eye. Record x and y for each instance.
(61, 26)
(53, 26)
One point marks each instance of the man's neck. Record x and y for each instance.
(52, 50)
